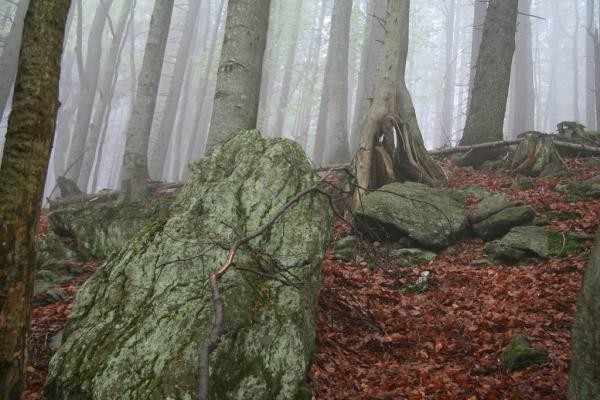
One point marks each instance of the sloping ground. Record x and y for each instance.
(375, 341)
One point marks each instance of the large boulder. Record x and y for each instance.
(57, 262)
(431, 217)
(138, 324)
(584, 380)
(101, 228)
(496, 215)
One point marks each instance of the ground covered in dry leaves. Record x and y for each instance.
(377, 341)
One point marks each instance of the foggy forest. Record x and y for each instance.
(299, 199)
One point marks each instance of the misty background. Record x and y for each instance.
(552, 76)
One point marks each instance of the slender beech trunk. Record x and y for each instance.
(447, 125)
(10, 55)
(240, 70)
(331, 145)
(159, 150)
(308, 90)
(479, 12)
(485, 119)
(87, 93)
(575, 61)
(370, 54)
(523, 101)
(288, 68)
(105, 94)
(590, 110)
(134, 175)
(29, 139)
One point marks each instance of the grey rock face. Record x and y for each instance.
(429, 216)
(139, 322)
(521, 241)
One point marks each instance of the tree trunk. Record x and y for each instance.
(485, 118)
(479, 13)
(391, 114)
(447, 125)
(584, 378)
(288, 68)
(370, 54)
(590, 110)
(240, 70)
(524, 96)
(575, 61)
(159, 150)
(331, 145)
(134, 175)
(87, 93)
(308, 90)
(105, 94)
(10, 55)
(29, 139)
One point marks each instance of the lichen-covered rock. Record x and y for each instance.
(101, 229)
(587, 188)
(584, 380)
(138, 324)
(520, 354)
(490, 206)
(55, 262)
(429, 216)
(408, 256)
(520, 242)
(501, 222)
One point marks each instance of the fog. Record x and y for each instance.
(104, 51)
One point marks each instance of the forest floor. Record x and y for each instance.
(376, 341)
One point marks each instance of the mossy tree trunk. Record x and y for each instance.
(584, 379)
(29, 138)
(391, 117)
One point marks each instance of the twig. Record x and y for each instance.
(217, 329)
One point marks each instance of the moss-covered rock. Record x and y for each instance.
(501, 222)
(587, 188)
(345, 249)
(101, 229)
(410, 256)
(431, 217)
(520, 354)
(55, 262)
(138, 324)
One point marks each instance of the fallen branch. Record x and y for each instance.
(463, 149)
(217, 329)
(577, 146)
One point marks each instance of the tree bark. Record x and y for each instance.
(29, 139)
(524, 96)
(87, 93)
(485, 118)
(479, 13)
(331, 144)
(134, 175)
(371, 51)
(159, 150)
(240, 70)
(391, 113)
(584, 378)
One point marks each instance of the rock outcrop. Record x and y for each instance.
(139, 322)
(431, 217)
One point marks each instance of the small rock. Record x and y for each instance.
(413, 256)
(420, 284)
(520, 242)
(481, 262)
(345, 248)
(520, 354)
(501, 222)
(56, 340)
